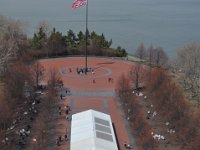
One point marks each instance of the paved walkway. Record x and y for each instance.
(84, 94)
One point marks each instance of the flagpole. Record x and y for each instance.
(86, 38)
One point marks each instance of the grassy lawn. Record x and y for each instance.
(132, 58)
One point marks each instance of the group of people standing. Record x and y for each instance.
(66, 110)
(67, 93)
(61, 139)
(83, 70)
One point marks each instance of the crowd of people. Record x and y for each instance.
(84, 70)
(20, 126)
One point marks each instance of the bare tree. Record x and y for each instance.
(137, 75)
(37, 72)
(123, 88)
(188, 58)
(160, 58)
(150, 51)
(189, 63)
(141, 52)
(11, 36)
(5, 113)
(53, 78)
(16, 77)
(6, 50)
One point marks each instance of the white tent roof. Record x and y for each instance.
(92, 130)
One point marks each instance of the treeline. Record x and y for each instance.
(53, 44)
(168, 101)
(187, 66)
(171, 104)
(20, 103)
(137, 121)
(154, 56)
(49, 43)
(20, 79)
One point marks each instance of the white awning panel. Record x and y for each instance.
(92, 130)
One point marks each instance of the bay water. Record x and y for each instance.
(170, 24)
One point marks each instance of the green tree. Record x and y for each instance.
(71, 40)
(56, 42)
(120, 52)
(81, 37)
(105, 43)
(98, 43)
(39, 38)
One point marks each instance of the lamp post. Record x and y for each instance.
(86, 39)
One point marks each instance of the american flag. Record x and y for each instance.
(78, 3)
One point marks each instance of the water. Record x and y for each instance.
(167, 23)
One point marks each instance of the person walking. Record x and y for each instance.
(94, 81)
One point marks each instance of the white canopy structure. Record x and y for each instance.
(92, 130)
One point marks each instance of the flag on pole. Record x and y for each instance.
(78, 3)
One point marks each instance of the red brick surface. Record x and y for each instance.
(104, 68)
